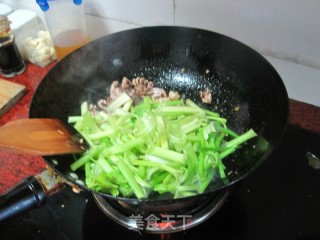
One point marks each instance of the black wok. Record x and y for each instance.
(175, 58)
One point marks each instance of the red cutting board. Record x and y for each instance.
(10, 94)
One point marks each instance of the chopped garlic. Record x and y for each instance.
(39, 50)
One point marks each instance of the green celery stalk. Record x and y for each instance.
(129, 176)
(171, 170)
(90, 122)
(179, 110)
(74, 119)
(101, 134)
(167, 154)
(240, 139)
(168, 146)
(118, 102)
(162, 133)
(92, 153)
(204, 184)
(191, 126)
(126, 107)
(84, 107)
(120, 148)
(104, 164)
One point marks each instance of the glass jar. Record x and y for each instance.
(11, 62)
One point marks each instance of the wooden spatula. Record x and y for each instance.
(41, 137)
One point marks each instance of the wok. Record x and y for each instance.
(175, 58)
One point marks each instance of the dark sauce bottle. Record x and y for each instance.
(11, 62)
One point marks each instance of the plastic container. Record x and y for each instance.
(22, 23)
(38, 48)
(67, 26)
(33, 39)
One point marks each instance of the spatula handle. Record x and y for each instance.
(22, 197)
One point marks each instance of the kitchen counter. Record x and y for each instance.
(14, 168)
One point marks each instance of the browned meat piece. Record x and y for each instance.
(136, 88)
(174, 95)
(126, 83)
(139, 81)
(93, 109)
(115, 89)
(158, 93)
(142, 86)
(103, 103)
(150, 86)
(206, 96)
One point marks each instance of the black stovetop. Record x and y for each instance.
(280, 200)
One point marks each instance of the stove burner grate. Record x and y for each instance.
(157, 220)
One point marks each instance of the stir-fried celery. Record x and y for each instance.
(172, 146)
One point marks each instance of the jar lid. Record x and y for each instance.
(4, 23)
(43, 4)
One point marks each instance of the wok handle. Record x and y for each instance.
(23, 197)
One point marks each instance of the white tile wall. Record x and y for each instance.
(140, 12)
(302, 82)
(106, 26)
(286, 31)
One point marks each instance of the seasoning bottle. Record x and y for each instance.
(11, 62)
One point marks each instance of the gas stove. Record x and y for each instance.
(280, 200)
